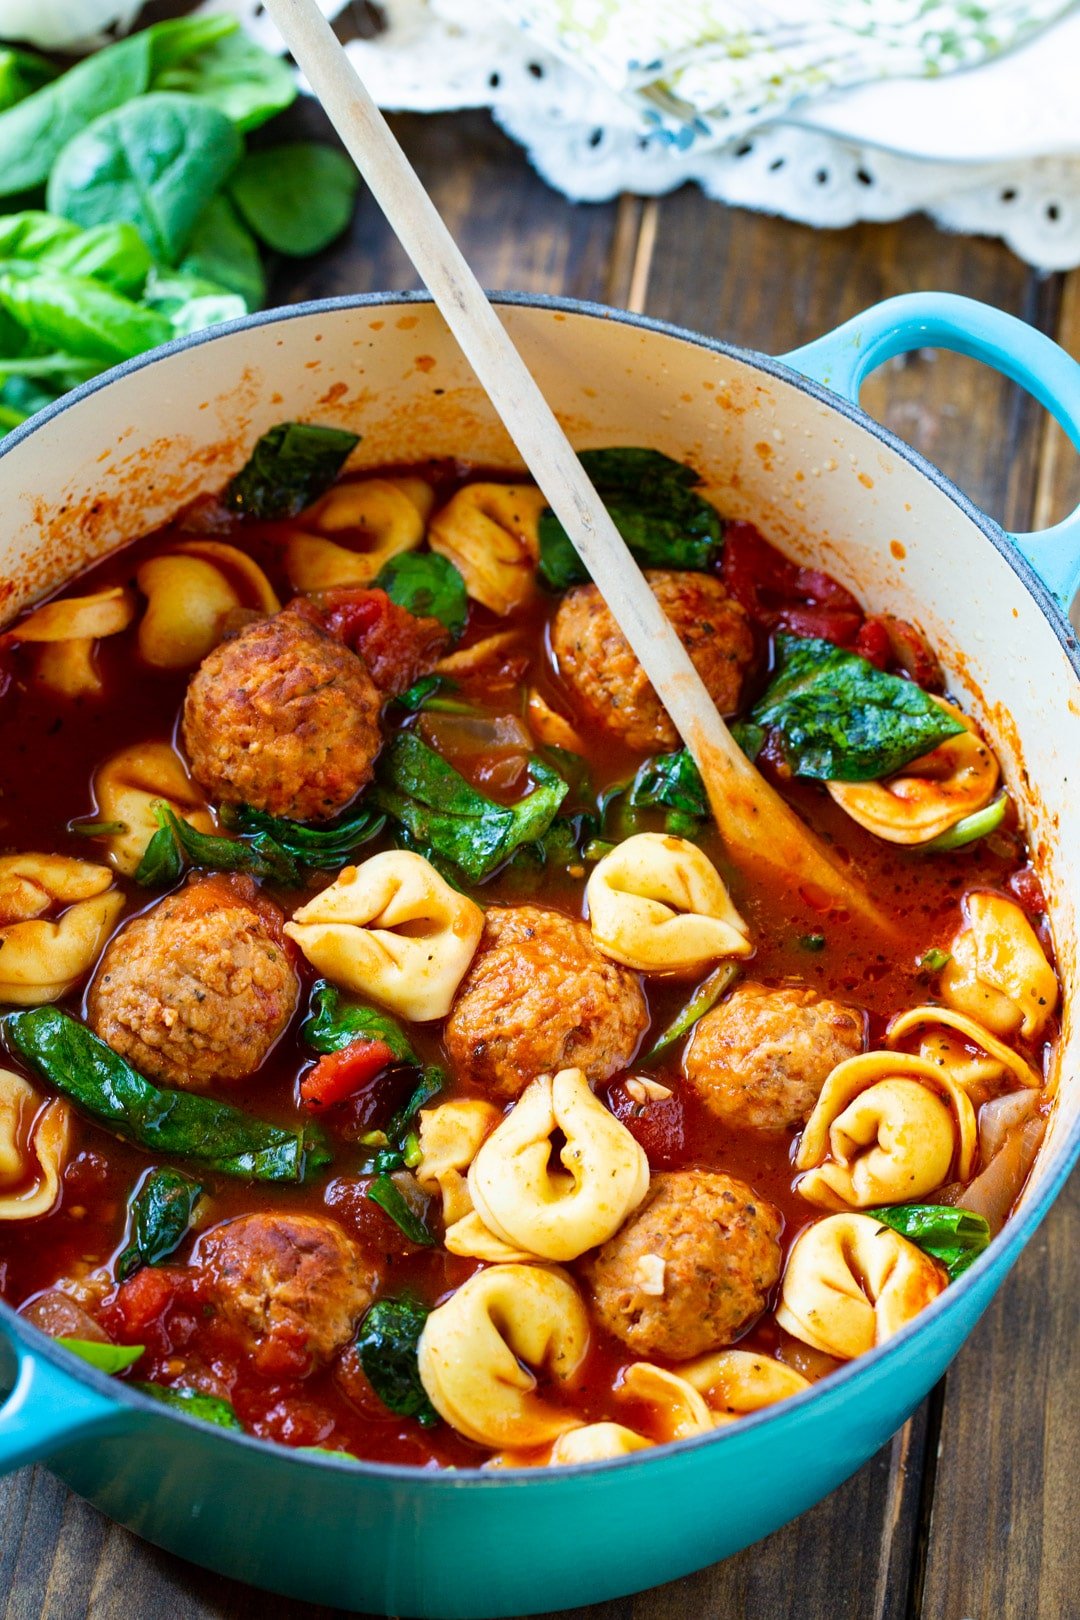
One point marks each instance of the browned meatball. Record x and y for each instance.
(760, 1059)
(199, 988)
(539, 997)
(283, 717)
(608, 682)
(690, 1269)
(292, 1283)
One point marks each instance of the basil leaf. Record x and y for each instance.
(221, 249)
(207, 1408)
(706, 996)
(242, 80)
(977, 825)
(330, 1027)
(440, 811)
(428, 586)
(79, 317)
(107, 1358)
(296, 198)
(653, 504)
(155, 162)
(160, 1219)
(387, 1347)
(389, 1197)
(954, 1237)
(106, 1087)
(320, 847)
(290, 466)
(840, 719)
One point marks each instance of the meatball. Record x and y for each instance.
(690, 1269)
(296, 1283)
(283, 717)
(609, 683)
(540, 997)
(199, 988)
(760, 1059)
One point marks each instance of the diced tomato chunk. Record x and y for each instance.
(829, 624)
(873, 643)
(779, 595)
(396, 646)
(339, 1074)
(142, 1301)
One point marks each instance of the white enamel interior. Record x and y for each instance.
(826, 489)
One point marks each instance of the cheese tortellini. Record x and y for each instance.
(557, 1211)
(658, 904)
(736, 1382)
(41, 959)
(945, 1040)
(929, 795)
(392, 929)
(887, 1128)
(450, 1138)
(35, 1137)
(675, 1409)
(127, 787)
(852, 1283)
(191, 591)
(596, 1442)
(383, 517)
(490, 532)
(998, 972)
(65, 634)
(476, 1351)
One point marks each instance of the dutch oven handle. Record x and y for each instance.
(843, 359)
(49, 1409)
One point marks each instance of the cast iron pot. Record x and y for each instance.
(783, 443)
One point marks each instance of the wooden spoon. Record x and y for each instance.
(757, 826)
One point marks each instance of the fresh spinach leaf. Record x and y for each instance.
(331, 1026)
(155, 162)
(386, 1344)
(76, 317)
(954, 1237)
(115, 255)
(207, 1408)
(179, 38)
(107, 1358)
(160, 1219)
(319, 848)
(440, 811)
(21, 73)
(296, 198)
(190, 304)
(221, 249)
(428, 586)
(653, 504)
(841, 719)
(106, 1087)
(389, 1197)
(242, 80)
(290, 466)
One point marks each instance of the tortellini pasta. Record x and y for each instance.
(941, 1047)
(851, 1283)
(476, 1349)
(387, 516)
(126, 789)
(658, 904)
(998, 972)
(676, 1410)
(532, 1204)
(40, 960)
(490, 532)
(35, 1137)
(191, 592)
(735, 1382)
(450, 1138)
(392, 929)
(886, 1128)
(596, 1442)
(65, 634)
(929, 795)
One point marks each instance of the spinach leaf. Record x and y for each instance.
(160, 1219)
(260, 856)
(750, 738)
(673, 782)
(110, 1091)
(207, 1408)
(330, 1027)
(221, 249)
(386, 1344)
(841, 719)
(242, 80)
(430, 695)
(296, 198)
(654, 506)
(107, 1358)
(954, 1237)
(190, 304)
(162, 862)
(389, 1197)
(440, 811)
(428, 586)
(21, 73)
(431, 1082)
(706, 996)
(77, 317)
(155, 162)
(290, 466)
(172, 42)
(319, 848)
(114, 255)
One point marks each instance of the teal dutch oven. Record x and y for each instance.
(779, 441)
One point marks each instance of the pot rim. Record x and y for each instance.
(1002, 1251)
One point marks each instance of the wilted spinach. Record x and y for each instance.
(386, 1345)
(160, 1219)
(106, 1357)
(428, 586)
(291, 465)
(318, 848)
(392, 1201)
(207, 1408)
(953, 1237)
(330, 1025)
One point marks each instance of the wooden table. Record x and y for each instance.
(970, 1512)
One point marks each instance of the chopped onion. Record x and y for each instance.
(994, 1192)
(476, 734)
(62, 1317)
(998, 1118)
